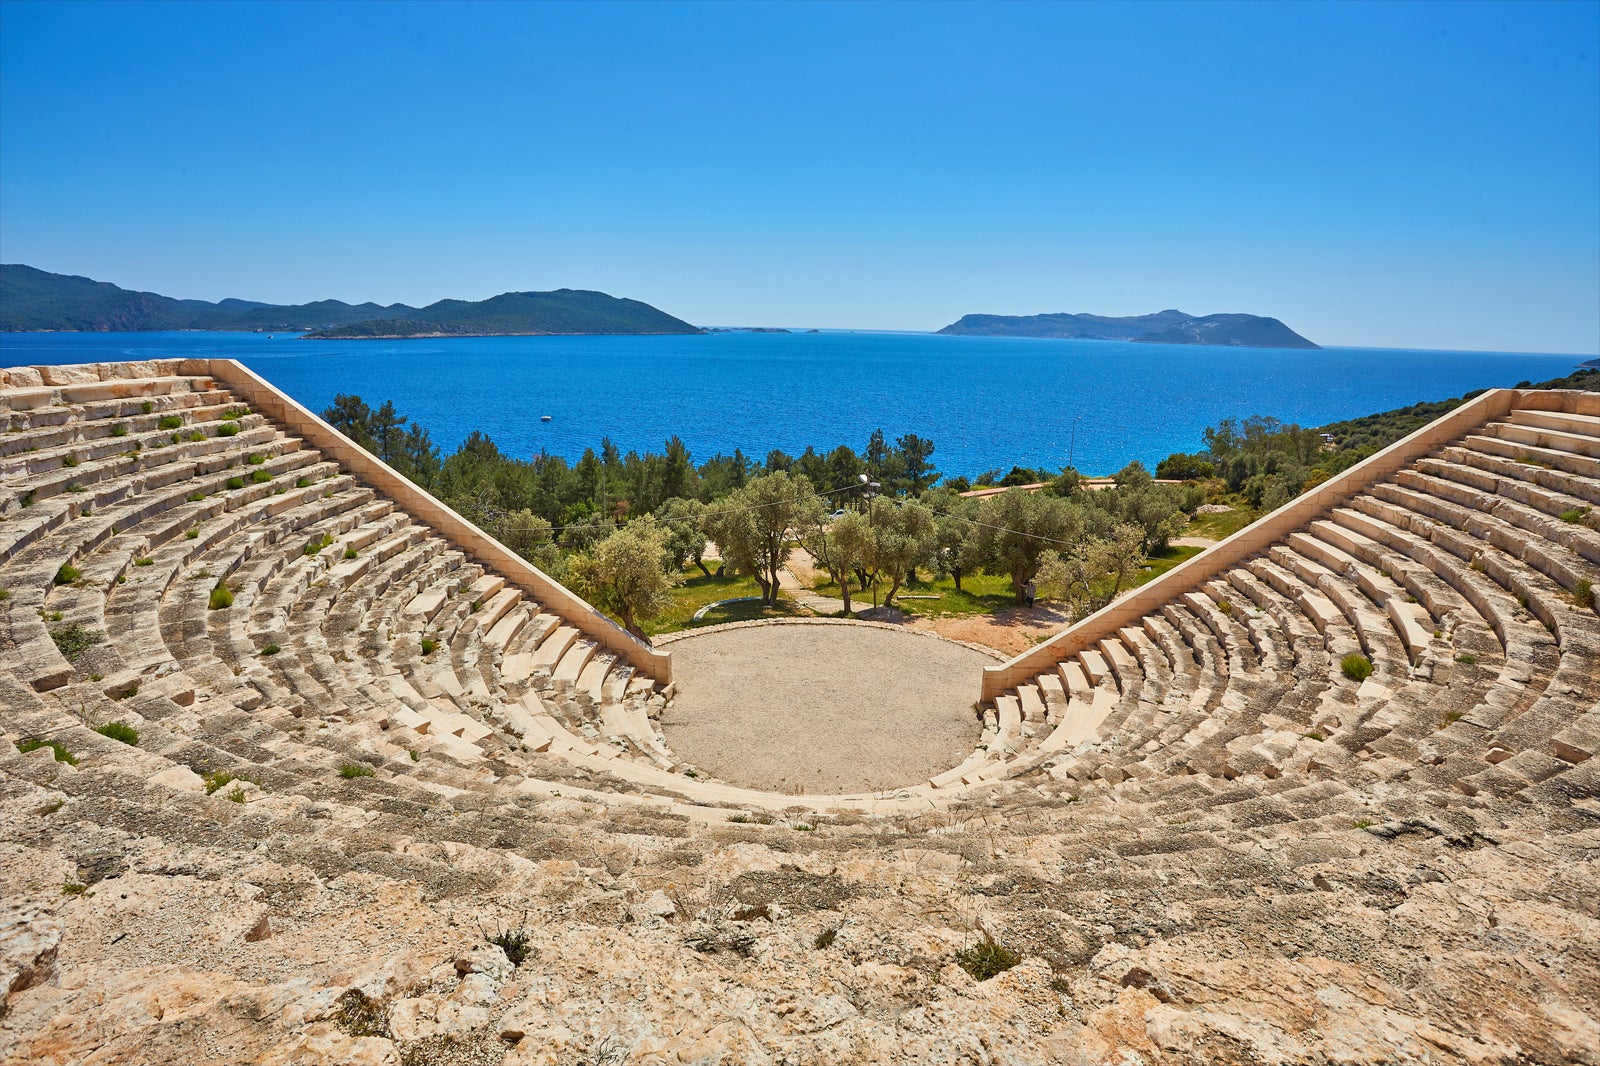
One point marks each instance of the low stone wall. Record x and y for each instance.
(1291, 517)
(265, 398)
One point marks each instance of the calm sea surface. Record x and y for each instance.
(984, 401)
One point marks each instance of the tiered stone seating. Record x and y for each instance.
(1456, 577)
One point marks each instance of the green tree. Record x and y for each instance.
(626, 574)
(1091, 575)
(955, 538)
(531, 537)
(899, 537)
(755, 525)
(843, 546)
(915, 453)
(683, 522)
(1017, 527)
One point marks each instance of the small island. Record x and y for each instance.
(1163, 327)
(517, 314)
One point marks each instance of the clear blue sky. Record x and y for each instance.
(1403, 175)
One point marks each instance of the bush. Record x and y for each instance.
(428, 645)
(5, 594)
(73, 640)
(60, 750)
(169, 422)
(271, 649)
(119, 731)
(986, 958)
(119, 430)
(1466, 658)
(302, 482)
(144, 561)
(67, 574)
(255, 458)
(191, 534)
(235, 483)
(350, 553)
(235, 414)
(196, 496)
(1577, 514)
(216, 779)
(227, 429)
(1583, 593)
(351, 770)
(316, 544)
(146, 407)
(260, 477)
(1356, 667)
(71, 460)
(221, 598)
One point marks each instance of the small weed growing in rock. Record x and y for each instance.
(194, 436)
(119, 731)
(5, 594)
(191, 534)
(260, 477)
(75, 487)
(221, 598)
(986, 958)
(516, 943)
(196, 496)
(1583, 593)
(1466, 658)
(227, 429)
(1451, 717)
(127, 693)
(73, 640)
(235, 483)
(350, 553)
(169, 422)
(351, 770)
(144, 561)
(361, 1016)
(146, 407)
(255, 458)
(826, 938)
(1356, 667)
(416, 756)
(316, 544)
(236, 794)
(70, 887)
(1226, 607)
(58, 749)
(119, 430)
(1314, 735)
(216, 779)
(428, 645)
(1363, 823)
(271, 649)
(50, 808)
(1577, 514)
(50, 616)
(476, 606)
(68, 574)
(71, 460)
(302, 482)
(235, 414)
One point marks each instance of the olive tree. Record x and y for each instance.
(755, 526)
(626, 574)
(842, 545)
(1017, 527)
(683, 521)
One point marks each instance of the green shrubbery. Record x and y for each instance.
(1356, 667)
(119, 731)
(60, 750)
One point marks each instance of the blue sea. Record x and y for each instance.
(985, 402)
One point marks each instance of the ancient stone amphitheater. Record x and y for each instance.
(1196, 836)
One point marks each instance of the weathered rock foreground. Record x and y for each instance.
(1204, 842)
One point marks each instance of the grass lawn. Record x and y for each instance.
(699, 590)
(1165, 559)
(980, 594)
(1224, 524)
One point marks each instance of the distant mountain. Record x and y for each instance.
(1163, 327)
(33, 300)
(563, 311)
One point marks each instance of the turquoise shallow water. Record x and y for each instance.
(984, 401)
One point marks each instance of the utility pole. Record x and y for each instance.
(869, 490)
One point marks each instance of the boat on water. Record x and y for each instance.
(544, 418)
